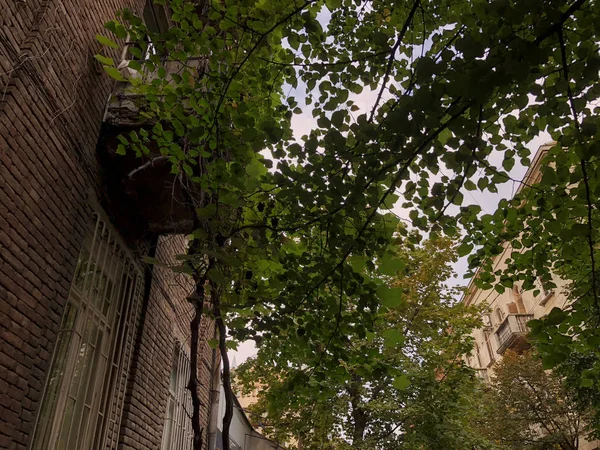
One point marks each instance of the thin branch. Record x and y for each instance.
(226, 369)
(149, 163)
(249, 54)
(329, 64)
(197, 299)
(387, 193)
(449, 43)
(392, 57)
(467, 168)
(557, 26)
(590, 206)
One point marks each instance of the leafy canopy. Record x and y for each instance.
(402, 386)
(452, 87)
(527, 408)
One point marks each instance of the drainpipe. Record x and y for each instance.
(148, 278)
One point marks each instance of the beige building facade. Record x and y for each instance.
(505, 322)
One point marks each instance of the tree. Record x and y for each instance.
(552, 226)
(403, 385)
(528, 408)
(586, 396)
(454, 85)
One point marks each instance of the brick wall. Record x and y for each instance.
(52, 98)
(165, 324)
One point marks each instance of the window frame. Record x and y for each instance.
(105, 296)
(177, 429)
(546, 292)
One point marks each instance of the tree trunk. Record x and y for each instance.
(359, 415)
(193, 382)
(226, 373)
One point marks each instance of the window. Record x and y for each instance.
(82, 401)
(487, 335)
(177, 431)
(547, 291)
(499, 316)
(155, 17)
(478, 355)
(156, 21)
(487, 320)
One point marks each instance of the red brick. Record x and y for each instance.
(49, 126)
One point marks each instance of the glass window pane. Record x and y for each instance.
(55, 377)
(78, 399)
(64, 432)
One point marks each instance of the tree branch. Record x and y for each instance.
(149, 163)
(582, 162)
(249, 53)
(388, 69)
(226, 368)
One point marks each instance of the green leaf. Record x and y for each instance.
(393, 337)
(389, 297)
(106, 41)
(390, 201)
(401, 383)
(358, 262)
(217, 276)
(337, 118)
(114, 73)
(135, 65)
(105, 60)
(444, 135)
(587, 382)
(390, 264)
(256, 168)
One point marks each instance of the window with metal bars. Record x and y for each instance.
(83, 397)
(177, 431)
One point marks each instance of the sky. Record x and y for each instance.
(303, 123)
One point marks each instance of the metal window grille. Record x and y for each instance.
(93, 349)
(177, 431)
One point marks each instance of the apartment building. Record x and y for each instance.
(505, 324)
(94, 342)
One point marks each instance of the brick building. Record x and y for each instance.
(93, 341)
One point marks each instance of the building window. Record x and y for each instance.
(84, 392)
(499, 316)
(177, 431)
(487, 335)
(478, 355)
(547, 291)
(155, 17)
(156, 21)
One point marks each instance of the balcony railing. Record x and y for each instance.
(512, 332)
(125, 102)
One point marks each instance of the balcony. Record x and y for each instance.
(512, 333)
(126, 104)
(142, 194)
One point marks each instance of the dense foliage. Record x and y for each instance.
(453, 86)
(402, 386)
(527, 408)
